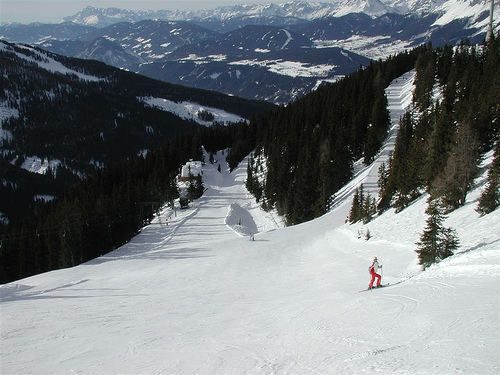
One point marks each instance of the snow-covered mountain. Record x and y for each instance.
(416, 6)
(152, 39)
(200, 48)
(369, 7)
(104, 50)
(476, 13)
(192, 295)
(299, 10)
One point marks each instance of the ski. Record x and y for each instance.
(385, 285)
(375, 287)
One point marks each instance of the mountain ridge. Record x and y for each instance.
(298, 10)
(372, 29)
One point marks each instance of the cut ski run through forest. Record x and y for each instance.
(197, 297)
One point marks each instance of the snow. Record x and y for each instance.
(456, 9)
(319, 82)
(191, 167)
(288, 40)
(4, 219)
(5, 114)
(46, 62)
(190, 110)
(35, 164)
(197, 297)
(370, 7)
(44, 197)
(289, 68)
(377, 47)
(90, 20)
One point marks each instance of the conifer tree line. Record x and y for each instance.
(436, 242)
(310, 145)
(452, 123)
(443, 137)
(364, 206)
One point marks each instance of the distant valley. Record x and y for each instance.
(273, 52)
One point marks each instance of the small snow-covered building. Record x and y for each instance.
(193, 167)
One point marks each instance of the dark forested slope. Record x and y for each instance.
(77, 115)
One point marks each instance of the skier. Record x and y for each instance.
(373, 272)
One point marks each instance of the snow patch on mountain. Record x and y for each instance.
(289, 38)
(290, 68)
(474, 10)
(39, 165)
(5, 114)
(204, 59)
(45, 62)
(377, 47)
(193, 111)
(371, 7)
(416, 6)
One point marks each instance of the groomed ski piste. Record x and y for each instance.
(197, 297)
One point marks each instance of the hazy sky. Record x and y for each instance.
(26, 11)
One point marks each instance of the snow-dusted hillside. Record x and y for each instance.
(299, 10)
(193, 111)
(197, 297)
(291, 45)
(44, 61)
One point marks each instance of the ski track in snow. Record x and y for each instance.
(399, 95)
(197, 297)
(288, 40)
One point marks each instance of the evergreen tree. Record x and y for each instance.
(438, 142)
(436, 242)
(402, 171)
(461, 169)
(200, 188)
(377, 130)
(386, 185)
(490, 198)
(195, 188)
(356, 206)
(369, 208)
(383, 177)
(425, 79)
(306, 195)
(363, 206)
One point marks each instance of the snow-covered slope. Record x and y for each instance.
(197, 297)
(416, 6)
(299, 10)
(475, 11)
(44, 61)
(193, 111)
(370, 7)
